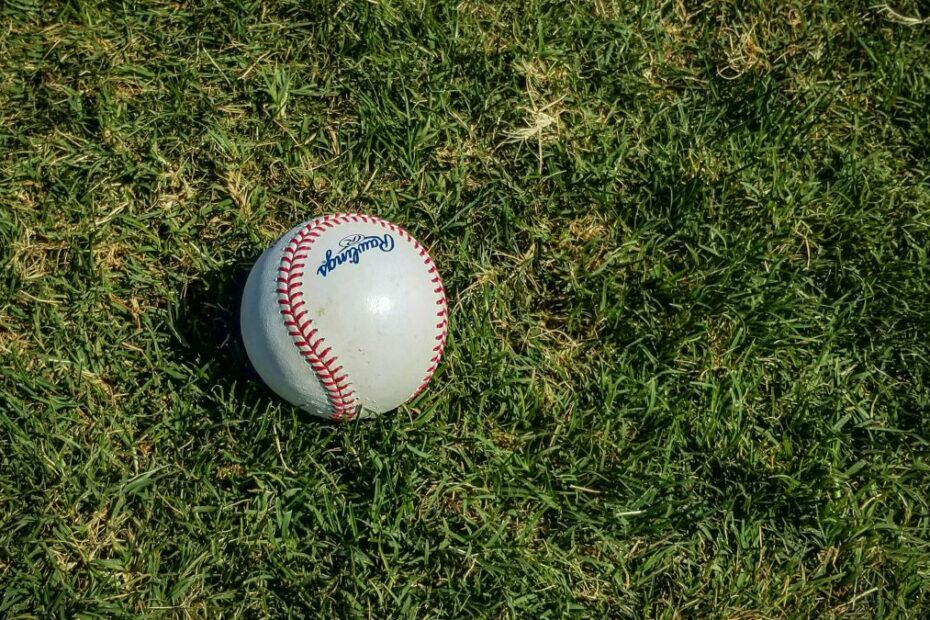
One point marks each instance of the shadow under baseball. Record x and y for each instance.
(205, 323)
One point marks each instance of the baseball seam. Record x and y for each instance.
(310, 343)
(442, 322)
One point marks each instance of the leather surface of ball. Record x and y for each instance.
(345, 316)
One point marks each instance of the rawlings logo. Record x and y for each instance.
(351, 249)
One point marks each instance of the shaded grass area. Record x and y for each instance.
(686, 248)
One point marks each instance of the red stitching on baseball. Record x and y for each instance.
(338, 391)
(441, 326)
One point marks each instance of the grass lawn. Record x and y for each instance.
(687, 253)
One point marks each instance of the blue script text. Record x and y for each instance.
(351, 250)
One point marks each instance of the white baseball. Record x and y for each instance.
(345, 316)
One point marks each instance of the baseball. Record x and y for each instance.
(345, 316)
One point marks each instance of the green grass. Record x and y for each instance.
(686, 248)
